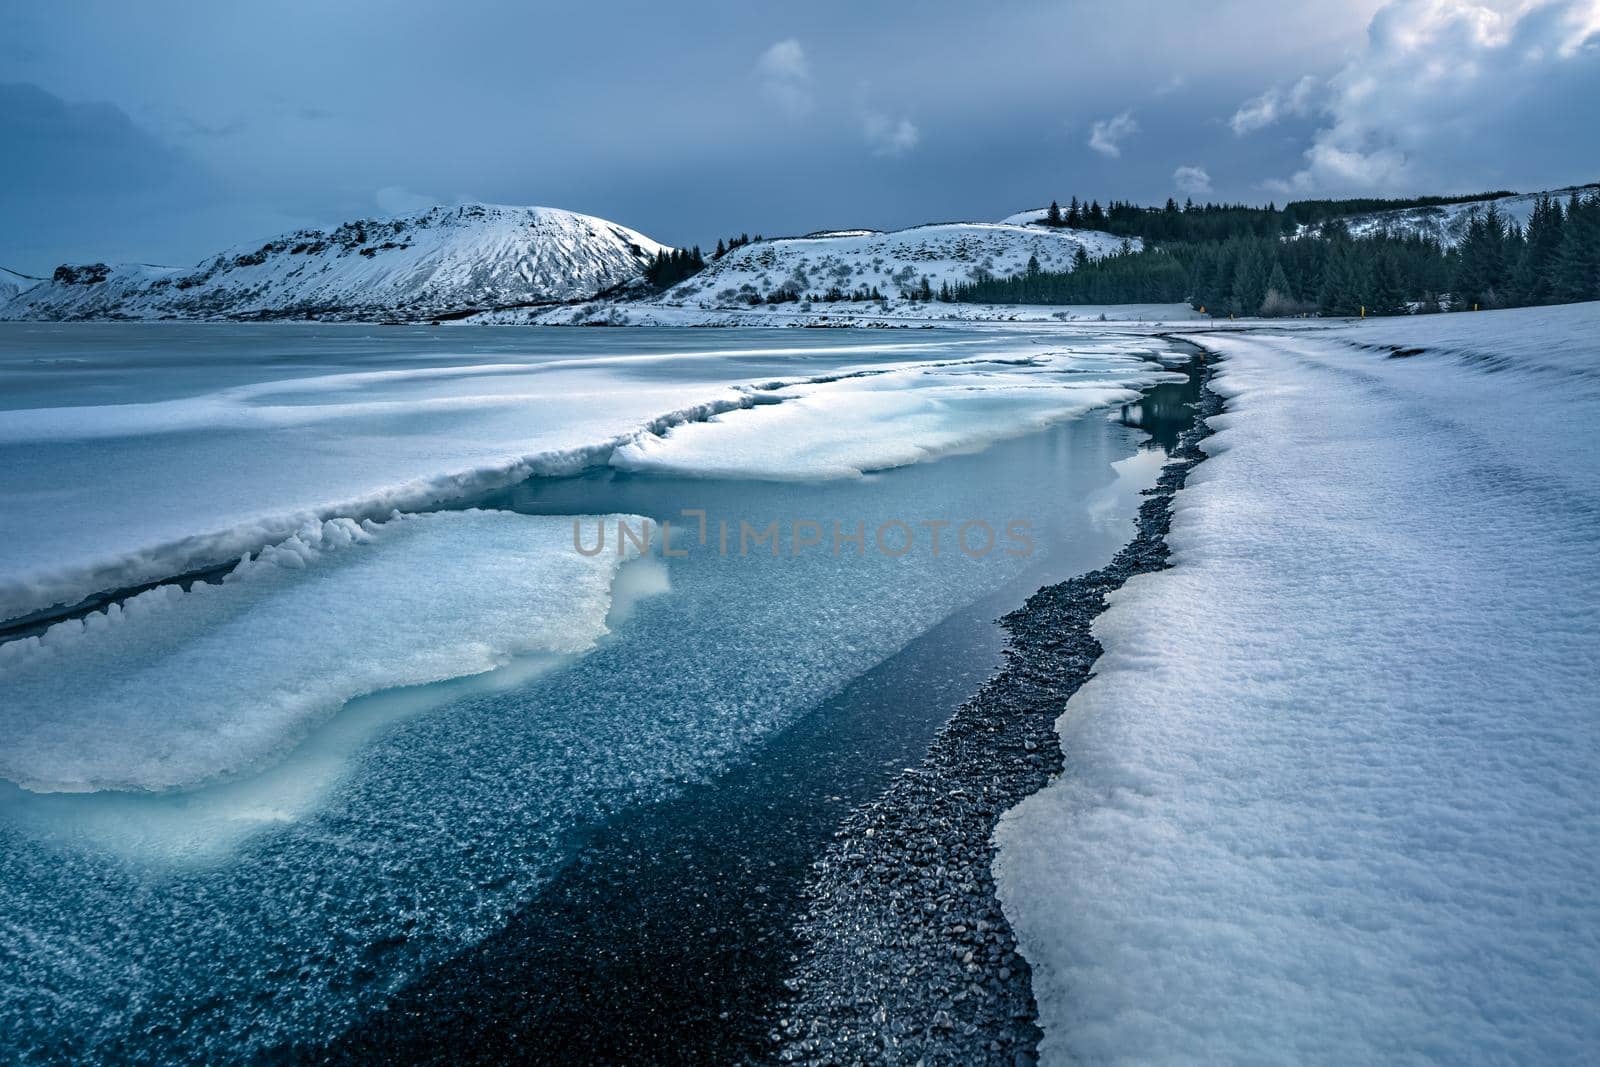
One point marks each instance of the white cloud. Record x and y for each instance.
(786, 77)
(889, 136)
(1107, 135)
(1170, 86)
(394, 200)
(1192, 180)
(1274, 104)
(1454, 93)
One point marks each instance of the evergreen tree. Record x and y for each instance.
(1053, 216)
(1249, 280)
(1280, 296)
(1578, 264)
(1336, 296)
(1534, 277)
(1388, 294)
(1245, 260)
(1481, 272)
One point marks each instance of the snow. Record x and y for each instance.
(12, 283)
(848, 427)
(730, 290)
(1329, 795)
(172, 689)
(894, 262)
(890, 313)
(1036, 217)
(1447, 223)
(416, 266)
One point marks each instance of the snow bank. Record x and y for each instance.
(171, 688)
(1330, 795)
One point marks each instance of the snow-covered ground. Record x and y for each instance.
(1330, 794)
(1031, 217)
(439, 261)
(872, 314)
(1447, 223)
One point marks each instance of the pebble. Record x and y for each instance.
(904, 925)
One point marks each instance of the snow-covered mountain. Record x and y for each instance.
(893, 263)
(12, 283)
(1448, 222)
(437, 262)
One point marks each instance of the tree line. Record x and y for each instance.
(668, 268)
(1215, 222)
(1239, 261)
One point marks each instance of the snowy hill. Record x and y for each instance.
(12, 283)
(894, 263)
(435, 262)
(1031, 217)
(1448, 222)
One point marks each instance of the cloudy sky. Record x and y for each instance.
(162, 131)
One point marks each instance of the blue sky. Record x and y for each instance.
(164, 131)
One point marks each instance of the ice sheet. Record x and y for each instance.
(130, 453)
(173, 689)
(848, 427)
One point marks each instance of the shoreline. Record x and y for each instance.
(908, 955)
(673, 936)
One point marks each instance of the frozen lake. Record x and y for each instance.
(242, 815)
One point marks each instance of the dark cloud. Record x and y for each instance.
(687, 121)
(83, 181)
(56, 148)
(1452, 96)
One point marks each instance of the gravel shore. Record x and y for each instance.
(907, 956)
